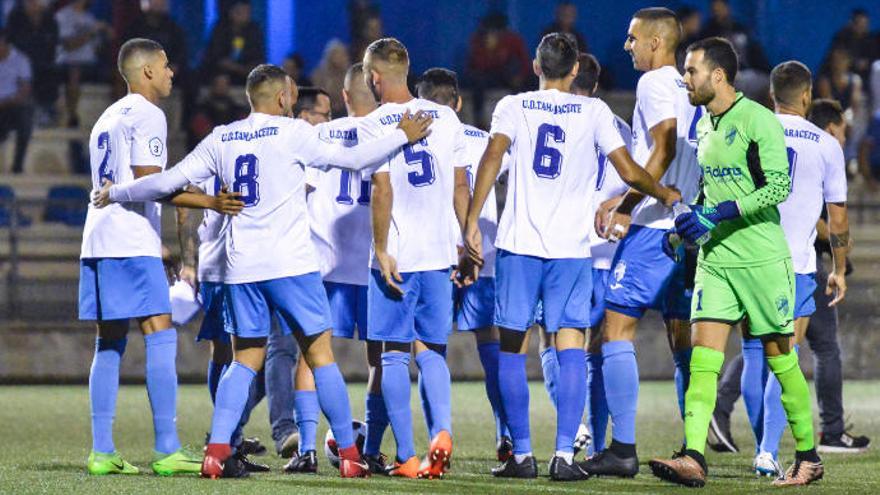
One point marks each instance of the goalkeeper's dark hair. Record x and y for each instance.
(718, 53)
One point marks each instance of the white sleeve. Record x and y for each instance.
(607, 134)
(148, 135)
(834, 183)
(196, 168)
(460, 149)
(504, 118)
(656, 100)
(317, 153)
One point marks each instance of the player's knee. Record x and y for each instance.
(570, 338)
(155, 323)
(619, 326)
(679, 333)
(221, 352)
(106, 344)
(486, 335)
(512, 341)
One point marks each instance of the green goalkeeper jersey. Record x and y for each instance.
(742, 156)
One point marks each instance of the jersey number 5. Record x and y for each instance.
(246, 173)
(422, 158)
(548, 160)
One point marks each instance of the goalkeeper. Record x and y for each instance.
(744, 269)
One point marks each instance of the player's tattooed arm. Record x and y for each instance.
(664, 136)
(487, 174)
(841, 243)
(187, 236)
(381, 201)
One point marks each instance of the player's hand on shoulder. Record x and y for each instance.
(415, 126)
(228, 203)
(101, 197)
(836, 286)
(388, 268)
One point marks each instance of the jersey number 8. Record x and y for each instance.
(246, 173)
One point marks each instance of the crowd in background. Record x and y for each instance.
(48, 49)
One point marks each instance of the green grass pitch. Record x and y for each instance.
(46, 430)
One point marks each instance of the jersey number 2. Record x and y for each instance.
(246, 173)
(104, 144)
(792, 166)
(548, 160)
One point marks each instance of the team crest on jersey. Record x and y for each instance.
(782, 305)
(156, 146)
(730, 135)
(619, 272)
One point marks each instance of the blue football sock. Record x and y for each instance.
(161, 371)
(621, 374)
(376, 418)
(775, 419)
(550, 369)
(426, 405)
(333, 398)
(754, 377)
(307, 411)
(682, 361)
(215, 371)
(255, 395)
(597, 411)
(396, 391)
(571, 392)
(489, 359)
(438, 390)
(514, 387)
(103, 388)
(232, 396)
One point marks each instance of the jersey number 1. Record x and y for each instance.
(548, 160)
(344, 197)
(792, 166)
(246, 173)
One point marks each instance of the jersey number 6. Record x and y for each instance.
(548, 160)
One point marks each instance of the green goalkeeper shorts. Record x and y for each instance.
(763, 294)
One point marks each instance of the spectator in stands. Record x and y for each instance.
(497, 60)
(753, 77)
(691, 24)
(236, 45)
(369, 30)
(837, 81)
(330, 73)
(857, 40)
(869, 154)
(294, 66)
(218, 107)
(81, 37)
(31, 27)
(564, 22)
(16, 108)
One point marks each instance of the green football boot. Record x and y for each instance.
(100, 464)
(180, 462)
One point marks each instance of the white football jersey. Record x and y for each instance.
(818, 175)
(554, 164)
(423, 182)
(475, 144)
(661, 95)
(262, 157)
(339, 213)
(608, 185)
(212, 252)
(131, 132)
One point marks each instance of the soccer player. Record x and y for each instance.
(339, 214)
(270, 261)
(121, 271)
(475, 304)
(818, 175)
(544, 238)
(744, 269)
(643, 276)
(417, 193)
(608, 186)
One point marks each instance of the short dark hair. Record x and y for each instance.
(133, 47)
(719, 53)
(588, 73)
(557, 55)
(788, 80)
(263, 74)
(825, 111)
(439, 85)
(655, 14)
(308, 98)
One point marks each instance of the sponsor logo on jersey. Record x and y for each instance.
(723, 174)
(730, 135)
(156, 146)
